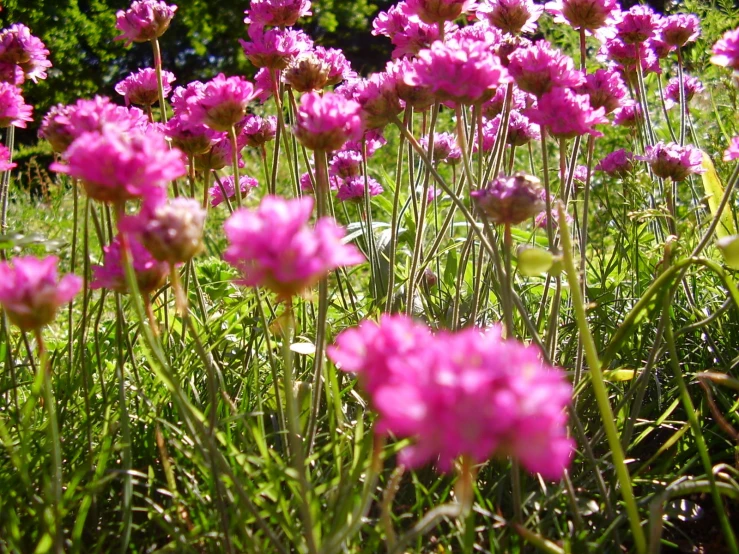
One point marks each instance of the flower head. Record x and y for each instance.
(520, 130)
(339, 68)
(223, 102)
(679, 29)
(31, 292)
(566, 114)
(354, 188)
(510, 16)
(5, 163)
(444, 149)
(145, 20)
(150, 274)
(14, 112)
(437, 11)
(115, 167)
(637, 25)
(732, 152)
(539, 68)
(274, 48)
(590, 15)
(726, 50)
(306, 72)
(510, 200)
(19, 49)
(605, 88)
(420, 98)
(327, 122)
(692, 86)
(469, 393)
(277, 13)
(274, 247)
(673, 161)
(627, 115)
(220, 154)
(345, 164)
(257, 131)
(626, 56)
(193, 139)
(141, 87)
(378, 98)
(216, 193)
(620, 163)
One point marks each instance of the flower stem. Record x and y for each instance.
(160, 84)
(235, 164)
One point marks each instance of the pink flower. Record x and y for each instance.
(618, 163)
(637, 25)
(14, 112)
(274, 247)
(464, 71)
(509, 200)
(726, 50)
(679, 29)
(378, 98)
(468, 393)
(145, 20)
(367, 144)
(691, 87)
(306, 184)
(141, 87)
(116, 167)
(184, 98)
(605, 88)
(539, 68)
(31, 292)
(150, 274)
(306, 73)
(327, 122)
(511, 16)
(445, 148)
(274, 48)
(540, 221)
(520, 129)
(590, 15)
(495, 105)
(438, 11)
(628, 115)
(223, 102)
(171, 231)
(5, 163)
(420, 98)
(353, 188)
(11, 73)
(263, 84)
(339, 68)
(257, 131)
(673, 161)
(277, 13)
(566, 114)
(345, 164)
(393, 21)
(220, 154)
(215, 192)
(732, 152)
(407, 32)
(192, 138)
(19, 49)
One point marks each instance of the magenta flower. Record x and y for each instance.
(150, 274)
(257, 131)
(444, 149)
(263, 84)
(679, 29)
(171, 231)
(220, 154)
(11, 73)
(726, 50)
(469, 393)
(116, 167)
(306, 184)
(509, 200)
(277, 13)
(540, 221)
(274, 48)
(628, 115)
(520, 131)
(306, 73)
(605, 88)
(510, 16)
(193, 139)
(246, 184)
(31, 292)
(732, 152)
(619, 163)
(14, 112)
(673, 161)
(463, 72)
(378, 98)
(19, 49)
(637, 25)
(223, 102)
(590, 15)
(63, 124)
(394, 21)
(494, 106)
(539, 68)
(145, 20)
(406, 31)
(345, 164)
(367, 144)
(339, 68)
(5, 163)
(420, 98)
(438, 11)
(354, 188)
(691, 87)
(566, 114)
(184, 98)
(274, 247)
(141, 87)
(327, 122)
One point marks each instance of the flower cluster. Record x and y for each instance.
(226, 189)
(141, 87)
(111, 275)
(510, 200)
(22, 55)
(470, 393)
(673, 161)
(327, 122)
(145, 20)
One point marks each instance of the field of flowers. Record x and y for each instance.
(483, 300)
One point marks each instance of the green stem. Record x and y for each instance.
(160, 84)
(235, 164)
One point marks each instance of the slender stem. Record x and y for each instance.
(599, 388)
(235, 164)
(5, 183)
(394, 218)
(683, 100)
(160, 84)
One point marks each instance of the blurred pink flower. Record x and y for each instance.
(368, 143)
(679, 29)
(223, 102)
(141, 87)
(184, 98)
(257, 131)
(378, 98)
(637, 25)
(510, 16)
(673, 161)
(263, 84)
(345, 164)
(274, 48)
(566, 114)
(115, 167)
(150, 274)
(339, 68)
(509, 200)
(276, 13)
(520, 131)
(353, 188)
(14, 112)
(5, 163)
(628, 115)
(494, 106)
(732, 152)
(419, 98)
(274, 247)
(306, 73)
(31, 292)
(619, 163)
(540, 221)
(438, 11)
(605, 88)
(145, 20)
(726, 50)
(590, 15)
(539, 68)
(672, 91)
(192, 138)
(220, 154)
(327, 122)
(469, 393)
(445, 148)
(19, 49)
(215, 192)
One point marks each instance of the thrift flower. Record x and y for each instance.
(354, 188)
(628, 115)
(31, 292)
(378, 99)
(510, 16)
(732, 152)
(618, 163)
(679, 29)
(306, 73)
(566, 114)
(445, 148)
(590, 15)
(14, 112)
(510, 200)
(605, 88)
(5, 163)
(673, 161)
(345, 164)
(339, 68)
(223, 102)
(193, 139)
(215, 192)
(276, 13)
(691, 87)
(539, 68)
(145, 20)
(726, 50)
(438, 11)
(150, 274)
(326, 122)
(420, 98)
(220, 154)
(19, 49)
(637, 25)
(141, 87)
(274, 247)
(274, 48)
(257, 131)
